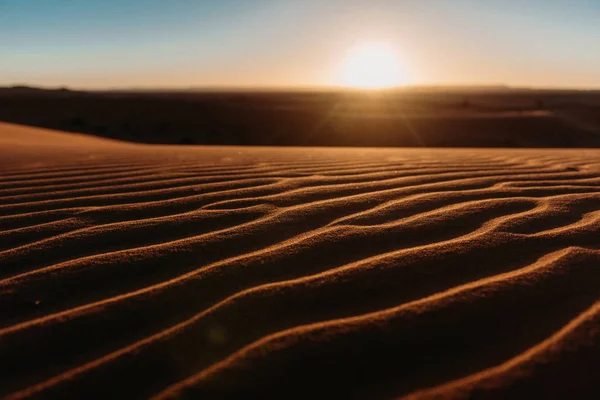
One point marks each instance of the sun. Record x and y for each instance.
(371, 65)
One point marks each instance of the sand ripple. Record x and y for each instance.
(228, 272)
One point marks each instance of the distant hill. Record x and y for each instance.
(30, 90)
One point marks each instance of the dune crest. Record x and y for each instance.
(223, 272)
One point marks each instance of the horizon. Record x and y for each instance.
(300, 45)
(293, 89)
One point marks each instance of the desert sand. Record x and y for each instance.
(130, 270)
(411, 118)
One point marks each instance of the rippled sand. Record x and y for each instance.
(244, 272)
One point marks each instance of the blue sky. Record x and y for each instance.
(195, 43)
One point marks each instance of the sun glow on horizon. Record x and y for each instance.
(372, 65)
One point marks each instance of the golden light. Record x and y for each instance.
(372, 65)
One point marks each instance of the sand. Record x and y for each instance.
(133, 270)
(412, 117)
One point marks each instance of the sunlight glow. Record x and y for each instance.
(372, 65)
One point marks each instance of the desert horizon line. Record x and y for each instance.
(301, 88)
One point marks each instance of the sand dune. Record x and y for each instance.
(228, 272)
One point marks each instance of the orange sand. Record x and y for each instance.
(231, 272)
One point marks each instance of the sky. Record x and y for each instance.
(300, 43)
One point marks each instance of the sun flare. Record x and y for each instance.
(371, 65)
